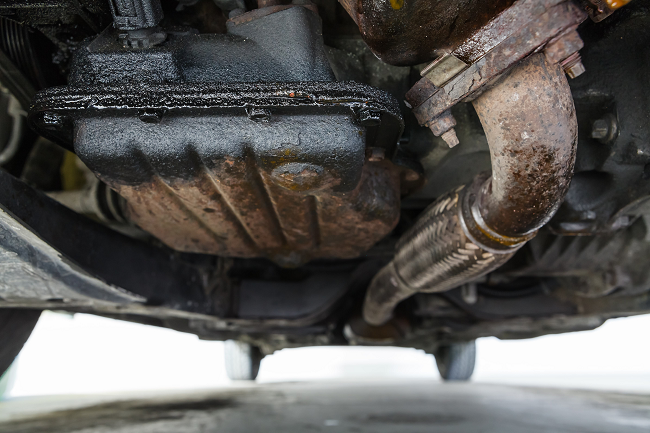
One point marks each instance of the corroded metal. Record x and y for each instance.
(528, 32)
(239, 209)
(530, 122)
(409, 32)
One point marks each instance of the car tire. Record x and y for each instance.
(16, 325)
(242, 360)
(456, 361)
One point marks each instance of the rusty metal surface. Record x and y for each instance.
(519, 44)
(240, 210)
(530, 123)
(408, 32)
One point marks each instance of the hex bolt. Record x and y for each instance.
(450, 138)
(600, 129)
(150, 115)
(369, 118)
(52, 121)
(605, 129)
(573, 65)
(575, 70)
(261, 115)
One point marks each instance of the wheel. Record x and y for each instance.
(242, 360)
(15, 327)
(456, 361)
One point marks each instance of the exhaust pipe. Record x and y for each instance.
(530, 123)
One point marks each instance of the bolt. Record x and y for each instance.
(369, 117)
(605, 129)
(573, 65)
(142, 38)
(258, 114)
(450, 138)
(52, 121)
(575, 70)
(600, 129)
(150, 115)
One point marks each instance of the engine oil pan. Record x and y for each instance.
(238, 144)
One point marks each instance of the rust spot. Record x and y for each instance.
(530, 123)
(288, 214)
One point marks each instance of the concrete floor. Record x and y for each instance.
(404, 407)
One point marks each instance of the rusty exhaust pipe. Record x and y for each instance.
(530, 123)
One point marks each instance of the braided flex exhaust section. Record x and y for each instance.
(435, 255)
(530, 123)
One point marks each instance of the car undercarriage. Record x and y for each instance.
(284, 173)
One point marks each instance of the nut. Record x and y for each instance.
(563, 47)
(573, 65)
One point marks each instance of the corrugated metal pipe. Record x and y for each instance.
(530, 123)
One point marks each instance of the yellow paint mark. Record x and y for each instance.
(397, 4)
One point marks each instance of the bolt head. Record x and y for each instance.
(151, 115)
(575, 70)
(600, 129)
(261, 115)
(52, 121)
(369, 118)
(605, 129)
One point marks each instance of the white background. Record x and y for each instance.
(84, 354)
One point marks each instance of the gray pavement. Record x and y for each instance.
(378, 407)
